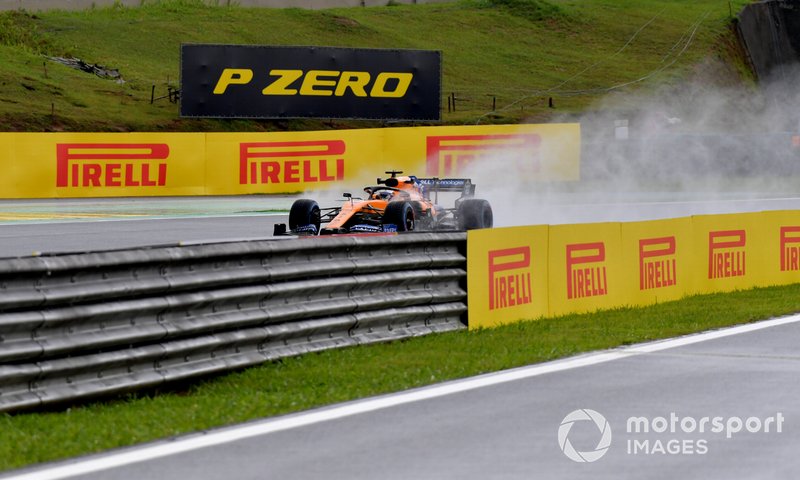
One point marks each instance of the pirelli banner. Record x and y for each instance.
(42, 165)
(248, 81)
(525, 273)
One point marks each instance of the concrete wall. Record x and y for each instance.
(34, 5)
(771, 33)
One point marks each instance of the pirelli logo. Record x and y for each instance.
(111, 164)
(726, 254)
(657, 263)
(509, 277)
(790, 249)
(315, 161)
(586, 270)
(449, 155)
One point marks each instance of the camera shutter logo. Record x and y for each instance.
(584, 415)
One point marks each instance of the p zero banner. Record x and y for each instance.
(43, 165)
(249, 81)
(610, 265)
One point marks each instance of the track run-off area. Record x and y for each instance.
(719, 404)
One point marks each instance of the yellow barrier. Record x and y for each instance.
(607, 265)
(723, 251)
(585, 271)
(507, 274)
(778, 261)
(290, 162)
(658, 260)
(41, 165)
(539, 152)
(102, 165)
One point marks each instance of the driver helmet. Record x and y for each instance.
(382, 195)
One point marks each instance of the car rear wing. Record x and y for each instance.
(463, 185)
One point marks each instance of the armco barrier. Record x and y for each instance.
(79, 326)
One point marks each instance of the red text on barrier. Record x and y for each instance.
(726, 253)
(291, 162)
(657, 263)
(111, 164)
(586, 270)
(509, 277)
(790, 249)
(450, 154)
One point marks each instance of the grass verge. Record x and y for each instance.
(503, 60)
(314, 380)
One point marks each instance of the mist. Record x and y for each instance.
(696, 147)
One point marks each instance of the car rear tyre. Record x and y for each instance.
(475, 213)
(304, 214)
(400, 214)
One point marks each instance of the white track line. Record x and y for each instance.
(264, 427)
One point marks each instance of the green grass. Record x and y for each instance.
(520, 51)
(334, 376)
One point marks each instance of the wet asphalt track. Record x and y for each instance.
(505, 426)
(78, 236)
(74, 225)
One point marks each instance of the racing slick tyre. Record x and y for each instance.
(304, 217)
(400, 214)
(475, 213)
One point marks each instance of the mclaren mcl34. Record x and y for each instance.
(395, 204)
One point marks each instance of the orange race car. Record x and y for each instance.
(395, 204)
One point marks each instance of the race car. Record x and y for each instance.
(395, 204)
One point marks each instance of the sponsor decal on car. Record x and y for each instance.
(443, 182)
(370, 228)
(311, 229)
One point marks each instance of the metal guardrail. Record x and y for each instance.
(81, 326)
